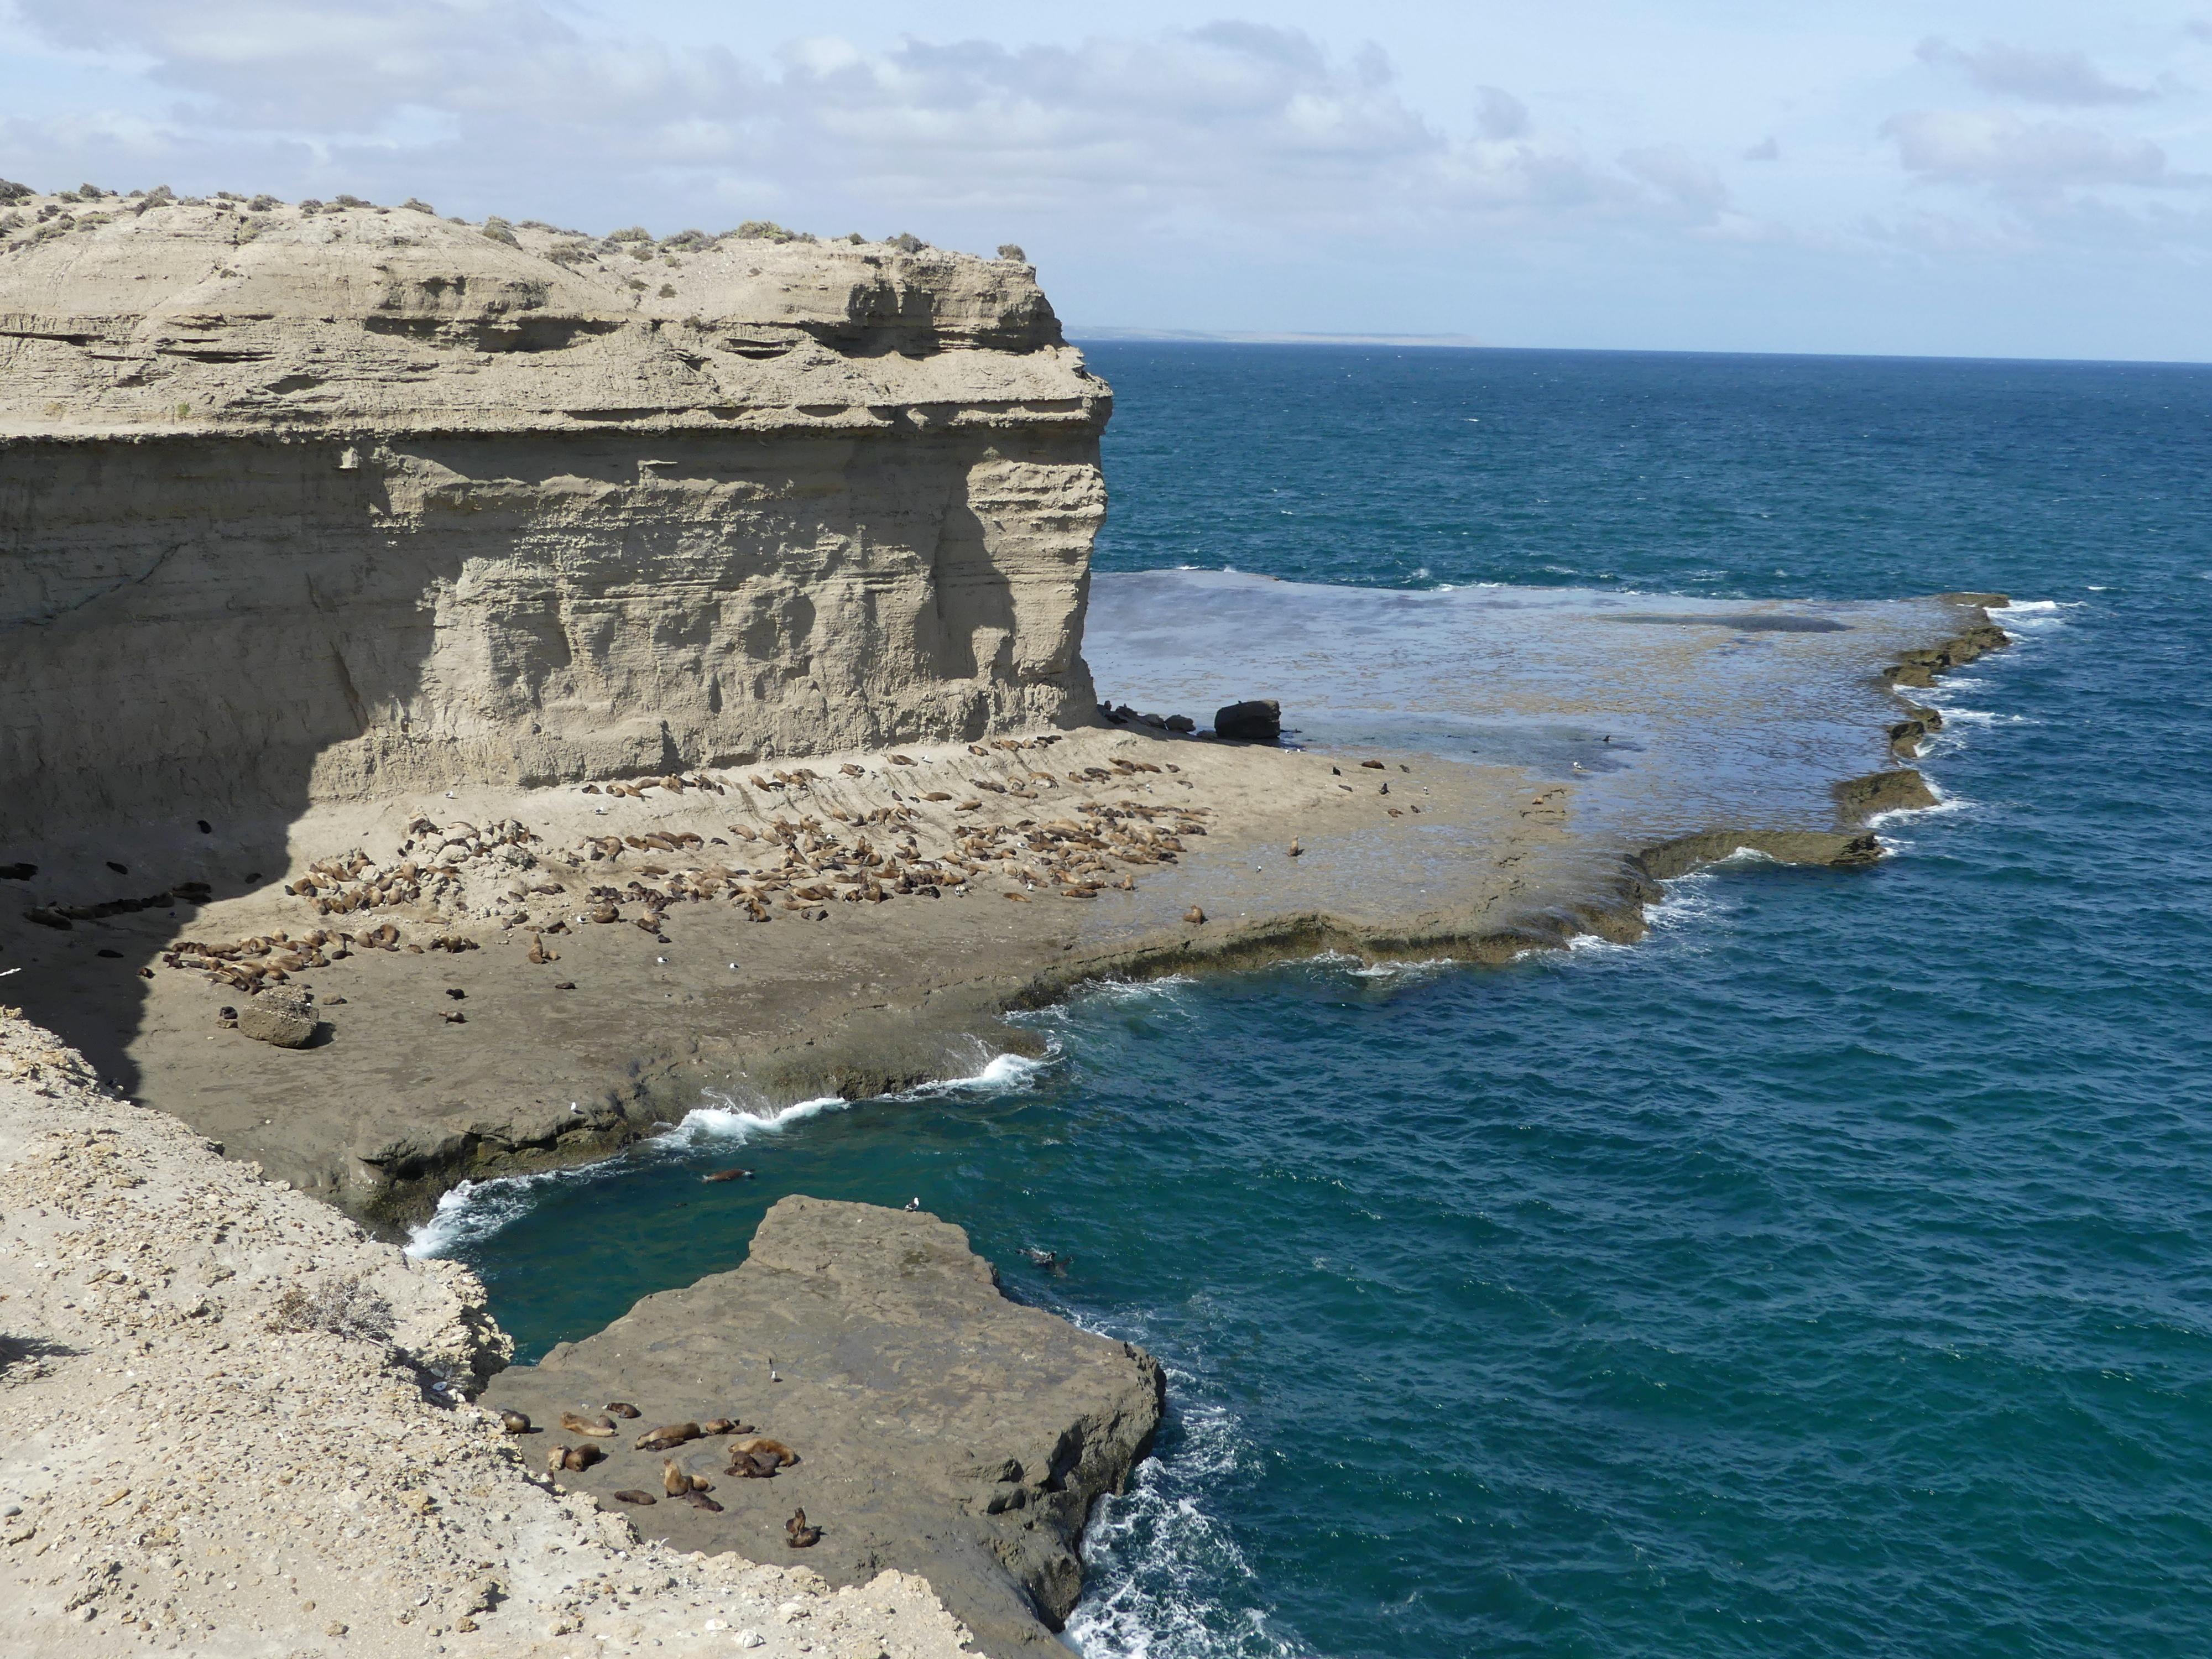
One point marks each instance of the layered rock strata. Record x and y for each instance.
(311, 506)
(939, 1428)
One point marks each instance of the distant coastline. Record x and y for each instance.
(1195, 337)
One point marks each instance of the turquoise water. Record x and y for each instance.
(1826, 1275)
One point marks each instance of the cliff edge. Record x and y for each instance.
(230, 1422)
(300, 506)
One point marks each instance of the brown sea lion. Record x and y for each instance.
(760, 1442)
(573, 1457)
(632, 1495)
(514, 1422)
(621, 1409)
(1194, 916)
(676, 1482)
(699, 1500)
(665, 1437)
(797, 1534)
(729, 1175)
(593, 1426)
(752, 1466)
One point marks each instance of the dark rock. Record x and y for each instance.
(1902, 790)
(17, 872)
(940, 1428)
(1257, 721)
(1837, 850)
(1182, 723)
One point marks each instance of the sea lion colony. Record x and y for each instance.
(752, 1457)
(843, 845)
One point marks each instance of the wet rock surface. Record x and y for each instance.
(941, 1428)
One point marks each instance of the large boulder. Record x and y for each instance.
(1260, 721)
(283, 1021)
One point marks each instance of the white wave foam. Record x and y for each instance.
(1153, 1558)
(1135, 990)
(475, 1210)
(1002, 1074)
(733, 1119)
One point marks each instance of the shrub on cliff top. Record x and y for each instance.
(344, 1307)
(262, 204)
(1013, 251)
(635, 234)
(687, 238)
(500, 231)
(416, 204)
(353, 201)
(763, 230)
(907, 242)
(12, 192)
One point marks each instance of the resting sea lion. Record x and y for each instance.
(593, 1426)
(725, 1425)
(676, 1482)
(632, 1495)
(797, 1534)
(573, 1457)
(514, 1422)
(752, 1466)
(699, 1500)
(621, 1409)
(760, 1442)
(665, 1437)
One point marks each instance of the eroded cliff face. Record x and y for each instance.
(302, 507)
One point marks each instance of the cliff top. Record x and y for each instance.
(148, 312)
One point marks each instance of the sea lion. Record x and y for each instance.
(729, 1175)
(725, 1425)
(699, 1500)
(632, 1495)
(797, 1534)
(676, 1482)
(667, 1435)
(573, 1457)
(1296, 851)
(593, 1425)
(623, 1409)
(1194, 915)
(752, 1466)
(514, 1422)
(760, 1442)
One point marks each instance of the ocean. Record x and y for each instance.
(1826, 1274)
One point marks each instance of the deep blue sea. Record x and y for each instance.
(1827, 1275)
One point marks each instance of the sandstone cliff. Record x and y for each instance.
(300, 506)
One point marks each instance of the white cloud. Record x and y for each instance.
(2005, 150)
(1229, 121)
(2065, 78)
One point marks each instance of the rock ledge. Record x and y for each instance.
(943, 1430)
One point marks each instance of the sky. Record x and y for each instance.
(1946, 178)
